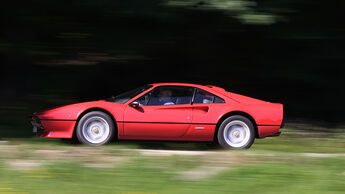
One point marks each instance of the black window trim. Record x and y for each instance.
(208, 92)
(191, 102)
(193, 97)
(194, 92)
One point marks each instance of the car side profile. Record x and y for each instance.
(165, 111)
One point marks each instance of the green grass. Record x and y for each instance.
(321, 176)
(272, 165)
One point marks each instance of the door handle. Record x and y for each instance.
(202, 108)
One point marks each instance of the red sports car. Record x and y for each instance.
(165, 111)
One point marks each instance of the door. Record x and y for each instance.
(165, 112)
(206, 108)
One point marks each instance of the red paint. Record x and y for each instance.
(58, 129)
(268, 130)
(157, 121)
(169, 122)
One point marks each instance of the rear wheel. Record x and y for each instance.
(95, 128)
(236, 132)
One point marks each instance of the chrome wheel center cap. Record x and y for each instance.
(236, 133)
(95, 130)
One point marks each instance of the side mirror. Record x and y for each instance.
(134, 104)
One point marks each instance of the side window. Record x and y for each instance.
(168, 95)
(203, 97)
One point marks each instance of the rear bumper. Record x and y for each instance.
(283, 123)
(275, 135)
(269, 131)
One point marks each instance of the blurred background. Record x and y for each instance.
(59, 52)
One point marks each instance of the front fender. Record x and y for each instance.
(73, 111)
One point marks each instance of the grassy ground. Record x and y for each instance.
(299, 161)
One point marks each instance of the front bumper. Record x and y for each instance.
(37, 126)
(53, 128)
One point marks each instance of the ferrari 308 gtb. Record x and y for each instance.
(165, 111)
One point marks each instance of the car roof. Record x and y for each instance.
(205, 87)
(177, 84)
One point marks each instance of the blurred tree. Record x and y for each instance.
(58, 52)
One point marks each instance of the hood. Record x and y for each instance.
(72, 111)
(62, 112)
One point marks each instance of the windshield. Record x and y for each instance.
(124, 97)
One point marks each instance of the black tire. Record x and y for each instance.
(95, 115)
(224, 142)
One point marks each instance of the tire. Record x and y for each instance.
(95, 128)
(236, 132)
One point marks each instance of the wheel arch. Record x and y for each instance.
(96, 109)
(232, 113)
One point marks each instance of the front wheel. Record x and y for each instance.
(236, 132)
(95, 128)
